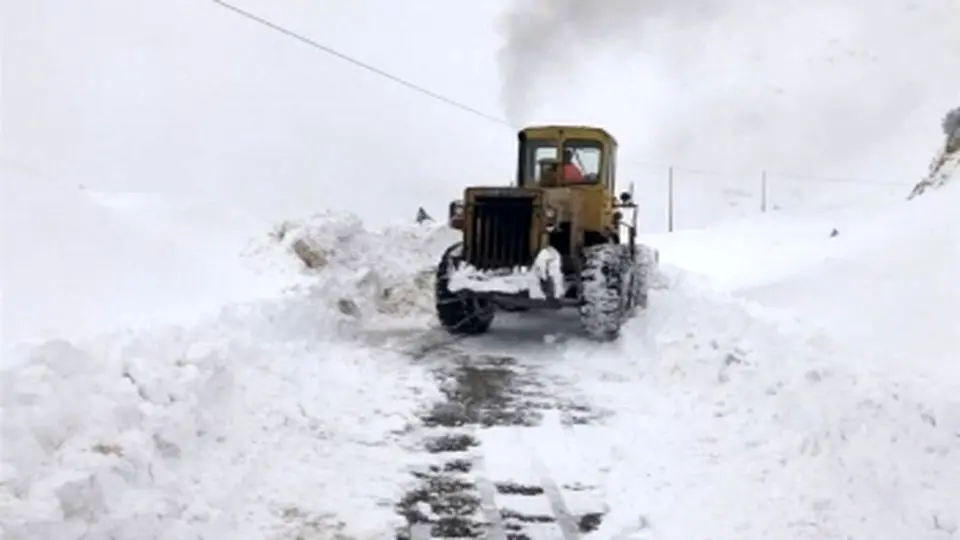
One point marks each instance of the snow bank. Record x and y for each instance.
(736, 421)
(368, 272)
(816, 398)
(892, 303)
(229, 428)
(753, 251)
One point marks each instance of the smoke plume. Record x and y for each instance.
(795, 84)
(545, 38)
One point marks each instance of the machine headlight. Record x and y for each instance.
(552, 217)
(455, 217)
(456, 209)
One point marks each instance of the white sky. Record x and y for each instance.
(185, 96)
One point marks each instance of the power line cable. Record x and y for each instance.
(333, 52)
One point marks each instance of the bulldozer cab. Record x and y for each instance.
(555, 156)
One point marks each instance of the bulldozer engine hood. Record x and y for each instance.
(566, 200)
(473, 193)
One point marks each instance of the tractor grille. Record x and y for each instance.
(500, 232)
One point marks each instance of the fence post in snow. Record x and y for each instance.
(670, 199)
(763, 191)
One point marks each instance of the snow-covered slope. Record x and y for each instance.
(883, 282)
(77, 261)
(893, 299)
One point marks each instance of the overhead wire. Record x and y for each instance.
(363, 65)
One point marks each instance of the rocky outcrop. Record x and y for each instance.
(946, 164)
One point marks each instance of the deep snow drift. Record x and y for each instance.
(267, 420)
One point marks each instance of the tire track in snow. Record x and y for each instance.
(490, 399)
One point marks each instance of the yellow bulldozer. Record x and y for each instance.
(557, 238)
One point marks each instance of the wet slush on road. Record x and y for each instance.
(449, 500)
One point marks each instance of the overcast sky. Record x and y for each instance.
(185, 96)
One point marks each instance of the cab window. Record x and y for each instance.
(539, 155)
(547, 163)
(582, 160)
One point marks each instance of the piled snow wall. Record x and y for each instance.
(227, 428)
(388, 271)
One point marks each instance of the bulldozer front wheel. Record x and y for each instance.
(460, 312)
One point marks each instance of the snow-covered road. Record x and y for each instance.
(337, 408)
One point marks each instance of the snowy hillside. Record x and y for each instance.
(890, 286)
(109, 260)
(880, 281)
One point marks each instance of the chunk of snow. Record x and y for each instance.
(384, 271)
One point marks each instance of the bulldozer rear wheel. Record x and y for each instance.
(460, 312)
(606, 297)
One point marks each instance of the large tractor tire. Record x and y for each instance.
(609, 290)
(460, 312)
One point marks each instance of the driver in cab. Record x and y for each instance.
(571, 173)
